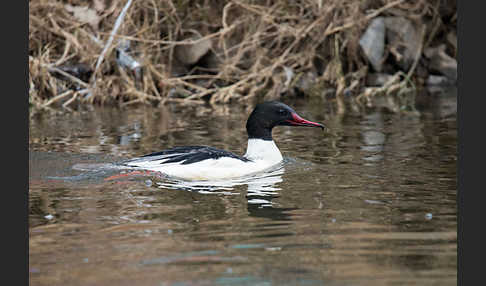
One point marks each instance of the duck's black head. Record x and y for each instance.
(269, 114)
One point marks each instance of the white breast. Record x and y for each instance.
(263, 150)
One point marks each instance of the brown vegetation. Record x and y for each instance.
(219, 51)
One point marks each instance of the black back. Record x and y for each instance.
(188, 155)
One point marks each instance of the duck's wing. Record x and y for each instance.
(184, 155)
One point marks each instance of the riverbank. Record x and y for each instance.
(143, 52)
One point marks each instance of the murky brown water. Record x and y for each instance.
(371, 202)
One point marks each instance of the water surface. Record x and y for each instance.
(371, 201)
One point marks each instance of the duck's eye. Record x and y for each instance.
(282, 112)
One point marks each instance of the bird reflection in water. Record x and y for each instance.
(262, 188)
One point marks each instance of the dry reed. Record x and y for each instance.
(257, 48)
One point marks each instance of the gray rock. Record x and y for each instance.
(210, 61)
(178, 68)
(441, 62)
(289, 75)
(437, 80)
(403, 39)
(178, 92)
(452, 39)
(191, 53)
(377, 79)
(328, 92)
(373, 42)
(306, 81)
(126, 61)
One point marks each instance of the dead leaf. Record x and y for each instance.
(99, 5)
(85, 15)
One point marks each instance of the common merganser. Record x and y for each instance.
(208, 163)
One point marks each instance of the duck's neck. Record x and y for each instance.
(263, 150)
(257, 128)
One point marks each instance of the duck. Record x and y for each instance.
(205, 163)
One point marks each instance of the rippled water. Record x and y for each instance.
(372, 201)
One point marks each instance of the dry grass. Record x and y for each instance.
(254, 45)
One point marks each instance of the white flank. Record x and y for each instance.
(262, 155)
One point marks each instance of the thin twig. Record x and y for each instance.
(117, 25)
(75, 95)
(368, 17)
(71, 77)
(417, 54)
(58, 97)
